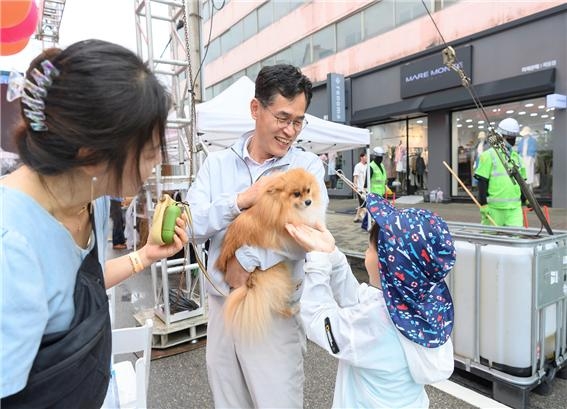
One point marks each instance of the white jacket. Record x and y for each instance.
(378, 366)
(212, 199)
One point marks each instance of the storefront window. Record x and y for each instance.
(470, 129)
(406, 159)
(333, 161)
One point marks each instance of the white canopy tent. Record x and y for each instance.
(223, 119)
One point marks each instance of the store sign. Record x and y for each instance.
(430, 74)
(539, 66)
(336, 96)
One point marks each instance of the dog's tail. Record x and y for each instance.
(250, 309)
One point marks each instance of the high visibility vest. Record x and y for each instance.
(378, 179)
(503, 192)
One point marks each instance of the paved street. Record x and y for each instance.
(180, 380)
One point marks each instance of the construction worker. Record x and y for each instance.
(499, 195)
(378, 175)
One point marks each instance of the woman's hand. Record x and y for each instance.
(152, 252)
(123, 267)
(316, 238)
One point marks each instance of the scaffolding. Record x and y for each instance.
(172, 27)
(49, 22)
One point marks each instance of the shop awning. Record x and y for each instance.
(525, 85)
(539, 82)
(407, 106)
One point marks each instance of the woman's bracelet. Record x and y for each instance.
(136, 261)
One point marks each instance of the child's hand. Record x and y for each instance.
(312, 239)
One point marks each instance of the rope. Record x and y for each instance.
(193, 242)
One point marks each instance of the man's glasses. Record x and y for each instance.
(283, 123)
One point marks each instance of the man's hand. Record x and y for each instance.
(312, 239)
(247, 198)
(235, 276)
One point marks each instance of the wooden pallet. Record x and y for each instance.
(165, 336)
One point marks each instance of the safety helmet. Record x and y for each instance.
(509, 127)
(378, 151)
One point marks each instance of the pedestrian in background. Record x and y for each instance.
(93, 125)
(332, 169)
(377, 171)
(118, 238)
(359, 179)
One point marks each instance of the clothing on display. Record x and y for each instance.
(527, 148)
(390, 166)
(400, 158)
(420, 169)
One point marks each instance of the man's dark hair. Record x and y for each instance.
(283, 79)
(363, 154)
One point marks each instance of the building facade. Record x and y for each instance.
(390, 54)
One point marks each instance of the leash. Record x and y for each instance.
(193, 243)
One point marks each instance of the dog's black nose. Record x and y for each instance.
(307, 202)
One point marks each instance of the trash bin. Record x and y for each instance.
(509, 288)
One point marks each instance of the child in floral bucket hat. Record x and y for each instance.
(416, 252)
(391, 336)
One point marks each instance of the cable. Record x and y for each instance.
(202, 62)
(178, 27)
(178, 302)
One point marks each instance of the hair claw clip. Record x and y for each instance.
(16, 84)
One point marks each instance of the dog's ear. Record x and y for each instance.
(276, 185)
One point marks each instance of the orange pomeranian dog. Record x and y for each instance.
(289, 197)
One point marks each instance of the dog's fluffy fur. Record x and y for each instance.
(290, 197)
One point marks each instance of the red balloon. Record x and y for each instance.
(13, 12)
(13, 48)
(23, 30)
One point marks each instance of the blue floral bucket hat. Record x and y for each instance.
(415, 252)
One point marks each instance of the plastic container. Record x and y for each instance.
(461, 280)
(505, 293)
(509, 288)
(506, 307)
(433, 196)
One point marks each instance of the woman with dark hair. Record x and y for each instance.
(93, 124)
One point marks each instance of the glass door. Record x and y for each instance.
(406, 147)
